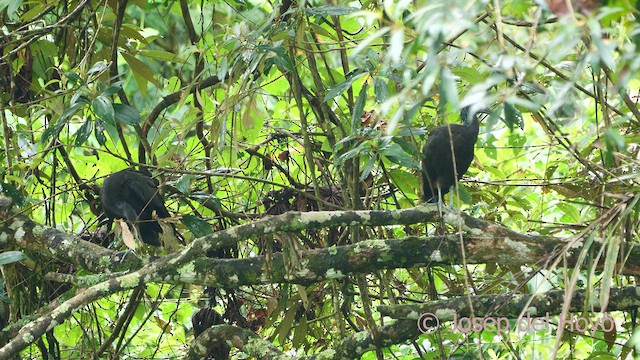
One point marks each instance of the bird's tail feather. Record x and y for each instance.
(149, 232)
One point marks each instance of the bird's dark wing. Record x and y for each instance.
(144, 192)
(134, 196)
(464, 143)
(439, 160)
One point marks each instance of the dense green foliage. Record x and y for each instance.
(248, 109)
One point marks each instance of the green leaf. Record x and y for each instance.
(126, 114)
(83, 132)
(363, 148)
(469, 74)
(570, 211)
(380, 89)
(133, 32)
(209, 201)
(513, 116)
(113, 89)
(141, 71)
(184, 184)
(396, 154)
(404, 180)
(330, 10)
(98, 132)
(356, 114)
(11, 5)
(319, 30)
(281, 60)
(197, 226)
(73, 78)
(79, 97)
(368, 168)
(52, 129)
(9, 257)
(103, 108)
(448, 89)
(98, 67)
(161, 55)
(343, 86)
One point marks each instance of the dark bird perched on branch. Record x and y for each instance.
(204, 319)
(441, 166)
(131, 195)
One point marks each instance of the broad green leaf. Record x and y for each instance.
(55, 128)
(133, 32)
(320, 30)
(614, 140)
(141, 72)
(184, 183)
(362, 148)
(287, 322)
(513, 116)
(404, 180)
(570, 211)
(8, 257)
(300, 332)
(74, 78)
(113, 89)
(52, 129)
(197, 226)
(11, 5)
(103, 109)
(396, 154)
(31, 14)
(126, 114)
(79, 97)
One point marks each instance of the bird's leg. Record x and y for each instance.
(441, 229)
(440, 200)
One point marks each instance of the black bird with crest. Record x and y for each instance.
(132, 195)
(447, 154)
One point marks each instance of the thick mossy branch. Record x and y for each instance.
(373, 255)
(511, 305)
(483, 241)
(18, 230)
